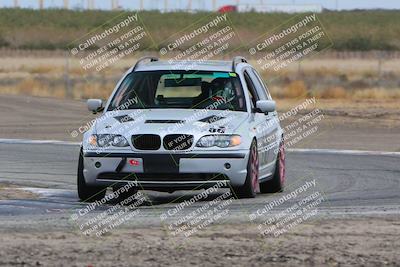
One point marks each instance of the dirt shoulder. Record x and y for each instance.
(8, 191)
(364, 125)
(323, 242)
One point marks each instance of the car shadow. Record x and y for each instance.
(154, 198)
(159, 198)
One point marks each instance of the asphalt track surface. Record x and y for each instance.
(351, 183)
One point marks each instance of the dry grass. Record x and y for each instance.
(295, 89)
(37, 88)
(86, 91)
(376, 93)
(34, 87)
(43, 69)
(368, 93)
(322, 78)
(336, 92)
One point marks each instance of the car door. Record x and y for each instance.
(259, 124)
(271, 124)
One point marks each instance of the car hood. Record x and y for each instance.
(169, 121)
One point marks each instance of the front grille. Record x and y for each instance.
(146, 141)
(178, 141)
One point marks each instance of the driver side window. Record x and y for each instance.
(251, 89)
(260, 85)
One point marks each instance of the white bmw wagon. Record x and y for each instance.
(182, 126)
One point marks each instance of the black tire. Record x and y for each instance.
(250, 187)
(276, 184)
(87, 193)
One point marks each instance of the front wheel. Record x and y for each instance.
(87, 193)
(251, 186)
(277, 182)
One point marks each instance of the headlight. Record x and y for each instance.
(219, 141)
(105, 140)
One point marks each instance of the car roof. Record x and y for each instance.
(209, 65)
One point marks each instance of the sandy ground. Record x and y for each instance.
(323, 242)
(8, 191)
(365, 125)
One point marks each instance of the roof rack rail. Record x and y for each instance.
(144, 58)
(236, 60)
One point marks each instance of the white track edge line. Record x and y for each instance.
(298, 150)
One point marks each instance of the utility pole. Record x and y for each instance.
(90, 4)
(165, 5)
(114, 4)
(66, 4)
(16, 4)
(40, 4)
(190, 5)
(214, 5)
(141, 4)
(68, 88)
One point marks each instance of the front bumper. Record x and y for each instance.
(166, 171)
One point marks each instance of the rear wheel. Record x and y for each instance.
(87, 193)
(277, 182)
(251, 186)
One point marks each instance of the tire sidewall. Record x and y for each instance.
(249, 178)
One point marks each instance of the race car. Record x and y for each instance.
(184, 125)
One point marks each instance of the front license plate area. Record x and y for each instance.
(160, 164)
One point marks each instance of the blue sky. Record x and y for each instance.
(207, 4)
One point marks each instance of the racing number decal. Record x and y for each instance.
(220, 129)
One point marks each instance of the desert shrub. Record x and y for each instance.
(333, 92)
(295, 89)
(27, 86)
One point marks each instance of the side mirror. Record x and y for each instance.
(266, 106)
(95, 105)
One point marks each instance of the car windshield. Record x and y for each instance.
(180, 89)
